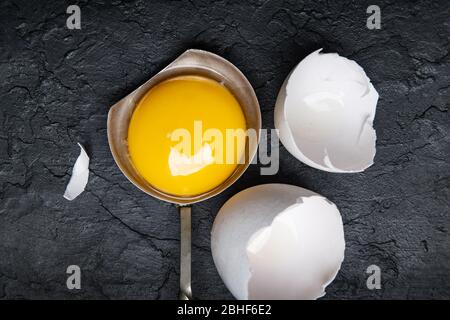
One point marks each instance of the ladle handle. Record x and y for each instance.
(185, 253)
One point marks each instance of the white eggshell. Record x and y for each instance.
(277, 241)
(80, 176)
(324, 114)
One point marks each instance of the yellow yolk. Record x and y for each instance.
(186, 106)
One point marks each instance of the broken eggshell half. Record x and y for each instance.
(277, 241)
(324, 114)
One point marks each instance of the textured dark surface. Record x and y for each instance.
(57, 86)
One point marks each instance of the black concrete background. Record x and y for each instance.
(58, 84)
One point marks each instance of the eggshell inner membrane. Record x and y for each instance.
(296, 258)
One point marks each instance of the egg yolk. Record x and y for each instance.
(185, 135)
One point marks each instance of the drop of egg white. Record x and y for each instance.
(183, 165)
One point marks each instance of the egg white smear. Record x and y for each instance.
(278, 241)
(325, 111)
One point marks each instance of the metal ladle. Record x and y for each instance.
(191, 62)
